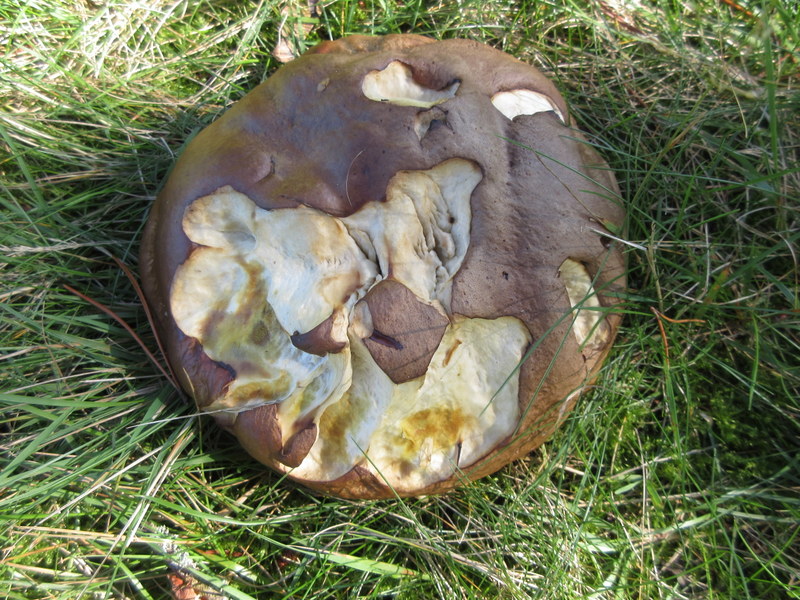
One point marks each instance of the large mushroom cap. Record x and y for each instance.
(384, 269)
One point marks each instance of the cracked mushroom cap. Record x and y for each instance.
(386, 269)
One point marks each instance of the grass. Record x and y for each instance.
(678, 477)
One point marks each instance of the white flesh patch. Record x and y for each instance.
(218, 299)
(589, 325)
(308, 259)
(466, 404)
(421, 233)
(416, 433)
(347, 426)
(395, 84)
(524, 102)
(260, 276)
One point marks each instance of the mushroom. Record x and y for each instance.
(386, 269)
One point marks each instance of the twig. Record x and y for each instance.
(140, 294)
(660, 319)
(127, 328)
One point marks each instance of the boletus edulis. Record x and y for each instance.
(389, 268)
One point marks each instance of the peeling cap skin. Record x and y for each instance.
(384, 270)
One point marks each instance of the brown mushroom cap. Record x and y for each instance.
(384, 269)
